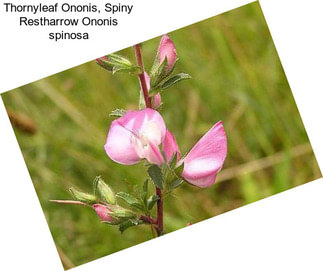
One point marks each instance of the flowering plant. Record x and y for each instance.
(142, 135)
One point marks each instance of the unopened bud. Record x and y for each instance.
(105, 191)
(167, 50)
(164, 62)
(104, 213)
(83, 197)
(115, 63)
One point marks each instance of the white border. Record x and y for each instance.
(283, 232)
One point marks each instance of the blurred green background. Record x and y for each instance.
(61, 124)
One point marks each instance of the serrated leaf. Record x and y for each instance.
(175, 79)
(156, 175)
(130, 199)
(151, 201)
(117, 113)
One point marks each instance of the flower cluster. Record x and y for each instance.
(142, 134)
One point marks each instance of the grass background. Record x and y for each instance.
(61, 124)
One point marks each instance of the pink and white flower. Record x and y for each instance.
(206, 158)
(136, 135)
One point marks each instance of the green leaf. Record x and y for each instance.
(175, 184)
(175, 79)
(144, 191)
(179, 170)
(129, 223)
(173, 161)
(130, 199)
(156, 175)
(158, 73)
(117, 113)
(151, 201)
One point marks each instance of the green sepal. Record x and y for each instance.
(116, 63)
(120, 212)
(83, 197)
(156, 175)
(103, 190)
(117, 113)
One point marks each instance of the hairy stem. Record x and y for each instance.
(143, 84)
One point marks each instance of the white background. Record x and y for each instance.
(283, 232)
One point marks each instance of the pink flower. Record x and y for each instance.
(135, 136)
(156, 100)
(104, 213)
(167, 50)
(170, 146)
(206, 158)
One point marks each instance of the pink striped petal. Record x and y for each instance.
(206, 158)
(129, 135)
(170, 146)
(167, 50)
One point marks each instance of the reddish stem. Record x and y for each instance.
(148, 219)
(160, 212)
(160, 209)
(141, 76)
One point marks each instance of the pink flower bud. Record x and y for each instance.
(156, 100)
(135, 136)
(167, 50)
(170, 146)
(104, 213)
(101, 60)
(206, 158)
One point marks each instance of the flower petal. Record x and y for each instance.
(207, 157)
(153, 155)
(203, 182)
(103, 213)
(129, 134)
(167, 50)
(119, 146)
(170, 146)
